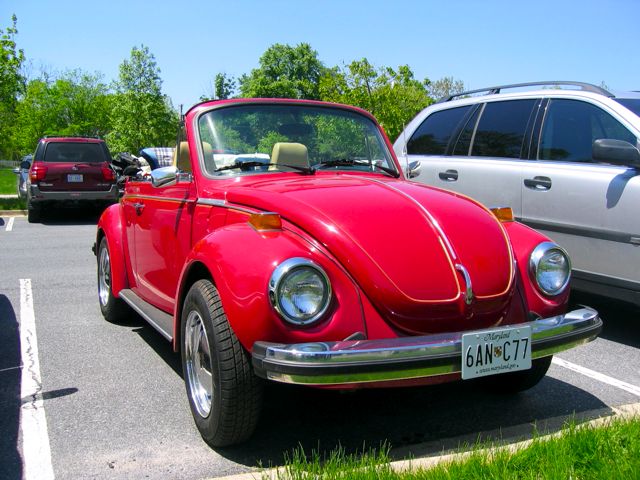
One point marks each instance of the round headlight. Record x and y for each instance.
(300, 291)
(550, 268)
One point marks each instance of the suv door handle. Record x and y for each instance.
(139, 208)
(449, 175)
(538, 183)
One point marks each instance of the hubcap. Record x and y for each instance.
(198, 363)
(104, 276)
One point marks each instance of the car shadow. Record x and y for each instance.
(71, 216)
(10, 384)
(414, 421)
(620, 319)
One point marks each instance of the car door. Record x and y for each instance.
(589, 208)
(476, 150)
(159, 233)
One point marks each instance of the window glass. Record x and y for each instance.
(252, 138)
(74, 152)
(571, 126)
(502, 128)
(464, 140)
(433, 135)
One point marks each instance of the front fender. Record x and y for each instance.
(111, 227)
(524, 240)
(240, 261)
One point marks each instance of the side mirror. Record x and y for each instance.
(617, 152)
(413, 169)
(164, 176)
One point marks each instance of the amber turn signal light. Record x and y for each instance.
(504, 214)
(265, 221)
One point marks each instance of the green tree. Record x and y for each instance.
(393, 96)
(224, 87)
(141, 116)
(76, 103)
(12, 85)
(445, 87)
(285, 72)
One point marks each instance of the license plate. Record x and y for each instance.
(74, 178)
(490, 352)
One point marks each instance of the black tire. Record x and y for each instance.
(113, 309)
(34, 212)
(226, 413)
(514, 382)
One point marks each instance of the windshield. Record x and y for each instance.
(632, 104)
(248, 139)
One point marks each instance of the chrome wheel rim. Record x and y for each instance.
(198, 363)
(104, 276)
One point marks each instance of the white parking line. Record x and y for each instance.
(598, 376)
(9, 226)
(36, 452)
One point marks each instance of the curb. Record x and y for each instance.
(622, 412)
(13, 213)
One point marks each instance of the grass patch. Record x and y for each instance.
(611, 451)
(13, 204)
(8, 182)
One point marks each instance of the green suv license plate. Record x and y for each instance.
(490, 352)
(75, 178)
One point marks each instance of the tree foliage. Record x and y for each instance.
(445, 87)
(285, 72)
(12, 84)
(76, 103)
(141, 116)
(393, 96)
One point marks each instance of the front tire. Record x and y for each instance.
(225, 396)
(113, 309)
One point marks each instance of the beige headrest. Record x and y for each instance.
(290, 154)
(181, 158)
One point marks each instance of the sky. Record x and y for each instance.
(483, 43)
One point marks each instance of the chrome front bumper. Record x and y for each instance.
(388, 360)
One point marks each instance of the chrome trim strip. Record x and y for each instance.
(212, 202)
(600, 234)
(386, 360)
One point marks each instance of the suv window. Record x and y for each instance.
(571, 126)
(434, 134)
(502, 128)
(74, 152)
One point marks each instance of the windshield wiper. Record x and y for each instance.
(349, 162)
(247, 165)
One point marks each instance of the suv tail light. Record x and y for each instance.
(108, 174)
(38, 172)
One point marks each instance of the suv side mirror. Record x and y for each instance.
(413, 169)
(164, 176)
(617, 152)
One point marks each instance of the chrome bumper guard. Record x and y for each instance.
(387, 360)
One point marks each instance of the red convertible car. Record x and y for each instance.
(285, 244)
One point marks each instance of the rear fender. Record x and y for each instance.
(110, 226)
(240, 260)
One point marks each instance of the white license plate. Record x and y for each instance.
(74, 178)
(490, 352)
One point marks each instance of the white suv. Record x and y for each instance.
(565, 159)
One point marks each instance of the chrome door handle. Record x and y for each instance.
(449, 175)
(139, 208)
(538, 183)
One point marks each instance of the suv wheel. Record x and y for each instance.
(33, 212)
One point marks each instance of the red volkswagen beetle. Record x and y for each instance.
(286, 245)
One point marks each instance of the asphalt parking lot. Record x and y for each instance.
(81, 398)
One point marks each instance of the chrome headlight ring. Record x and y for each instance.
(550, 268)
(300, 291)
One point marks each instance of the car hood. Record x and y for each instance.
(423, 256)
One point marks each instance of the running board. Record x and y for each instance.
(161, 321)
